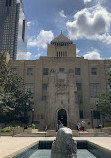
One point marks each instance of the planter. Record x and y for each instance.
(28, 130)
(51, 133)
(34, 130)
(7, 133)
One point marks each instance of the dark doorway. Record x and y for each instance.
(62, 116)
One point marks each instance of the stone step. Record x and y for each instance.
(93, 134)
(25, 134)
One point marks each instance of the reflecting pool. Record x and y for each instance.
(81, 153)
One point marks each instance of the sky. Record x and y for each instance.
(86, 22)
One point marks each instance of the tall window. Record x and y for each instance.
(44, 98)
(29, 71)
(61, 69)
(93, 71)
(94, 90)
(77, 71)
(81, 114)
(79, 86)
(108, 86)
(23, 31)
(45, 71)
(109, 69)
(8, 2)
(44, 86)
(96, 114)
(29, 87)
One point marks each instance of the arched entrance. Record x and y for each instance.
(62, 116)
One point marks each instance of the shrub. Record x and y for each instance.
(29, 127)
(33, 126)
(7, 129)
(17, 127)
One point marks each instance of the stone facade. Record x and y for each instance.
(64, 87)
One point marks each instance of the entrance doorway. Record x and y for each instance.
(62, 116)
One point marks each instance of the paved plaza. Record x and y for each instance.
(10, 146)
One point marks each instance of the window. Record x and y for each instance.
(93, 71)
(94, 90)
(81, 114)
(77, 71)
(96, 114)
(8, 2)
(57, 54)
(23, 31)
(44, 86)
(45, 71)
(61, 69)
(44, 98)
(78, 98)
(109, 69)
(14, 71)
(108, 86)
(61, 81)
(29, 87)
(29, 71)
(79, 86)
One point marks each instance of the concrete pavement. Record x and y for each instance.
(10, 146)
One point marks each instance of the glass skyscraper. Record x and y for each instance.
(13, 29)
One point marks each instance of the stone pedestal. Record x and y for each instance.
(64, 146)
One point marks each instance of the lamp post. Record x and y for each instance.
(92, 117)
(32, 115)
(97, 112)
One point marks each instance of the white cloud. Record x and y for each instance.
(77, 50)
(91, 23)
(23, 55)
(61, 13)
(93, 55)
(87, 1)
(41, 40)
(38, 55)
(28, 23)
(28, 55)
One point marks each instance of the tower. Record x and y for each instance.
(13, 28)
(61, 100)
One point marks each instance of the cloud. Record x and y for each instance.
(41, 40)
(91, 23)
(38, 55)
(28, 23)
(87, 1)
(23, 55)
(61, 13)
(93, 55)
(28, 55)
(77, 50)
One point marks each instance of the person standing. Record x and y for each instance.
(83, 125)
(78, 125)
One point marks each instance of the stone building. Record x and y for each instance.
(64, 87)
(13, 28)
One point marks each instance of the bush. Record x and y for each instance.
(17, 127)
(7, 129)
(33, 126)
(29, 127)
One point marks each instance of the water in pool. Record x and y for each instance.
(44, 153)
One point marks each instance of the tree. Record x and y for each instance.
(14, 100)
(105, 100)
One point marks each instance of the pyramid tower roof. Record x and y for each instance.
(61, 38)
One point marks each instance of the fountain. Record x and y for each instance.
(64, 146)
